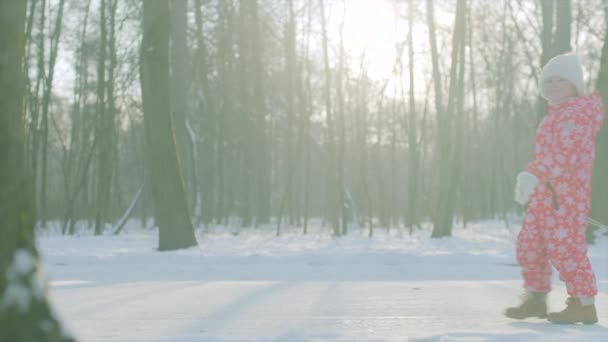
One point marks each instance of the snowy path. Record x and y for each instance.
(255, 287)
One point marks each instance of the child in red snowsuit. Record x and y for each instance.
(556, 186)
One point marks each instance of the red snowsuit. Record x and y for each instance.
(563, 163)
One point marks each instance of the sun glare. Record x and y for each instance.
(377, 27)
(369, 26)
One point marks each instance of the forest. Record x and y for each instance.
(189, 115)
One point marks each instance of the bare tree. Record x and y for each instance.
(105, 130)
(332, 181)
(307, 103)
(290, 73)
(170, 208)
(46, 100)
(413, 153)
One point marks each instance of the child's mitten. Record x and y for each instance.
(526, 182)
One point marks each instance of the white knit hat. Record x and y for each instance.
(566, 66)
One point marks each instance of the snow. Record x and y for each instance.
(23, 282)
(23, 262)
(254, 286)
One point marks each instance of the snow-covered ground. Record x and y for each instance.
(254, 286)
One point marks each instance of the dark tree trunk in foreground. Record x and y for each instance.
(25, 314)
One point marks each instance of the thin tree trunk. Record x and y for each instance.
(441, 143)
(225, 110)
(48, 87)
(29, 41)
(111, 112)
(377, 163)
(332, 182)
(77, 130)
(341, 186)
(207, 105)
(290, 54)
(35, 109)
(362, 124)
(123, 220)
(414, 159)
(102, 132)
(262, 160)
(246, 132)
(69, 218)
(307, 102)
(475, 166)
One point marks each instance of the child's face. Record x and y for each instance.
(557, 89)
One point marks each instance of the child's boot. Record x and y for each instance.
(534, 304)
(578, 310)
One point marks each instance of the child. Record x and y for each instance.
(557, 185)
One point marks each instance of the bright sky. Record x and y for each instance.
(375, 26)
(371, 25)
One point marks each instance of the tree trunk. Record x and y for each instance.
(307, 101)
(447, 134)
(25, 314)
(475, 175)
(562, 37)
(547, 12)
(246, 132)
(179, 88)
(363, 186)
(341, 151)
(262, 162)
(377, 165)
(224, 110)
(441, 143)
(412, 212)
(35, 108)
(206, 106)
(171, 211)
(555, 36)
(332, 182)
(30, 98)
(546, 39)
(48, 87)
(111, 112)
(290, 71)
(77, 138)
(599, 201)
(103, 129)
